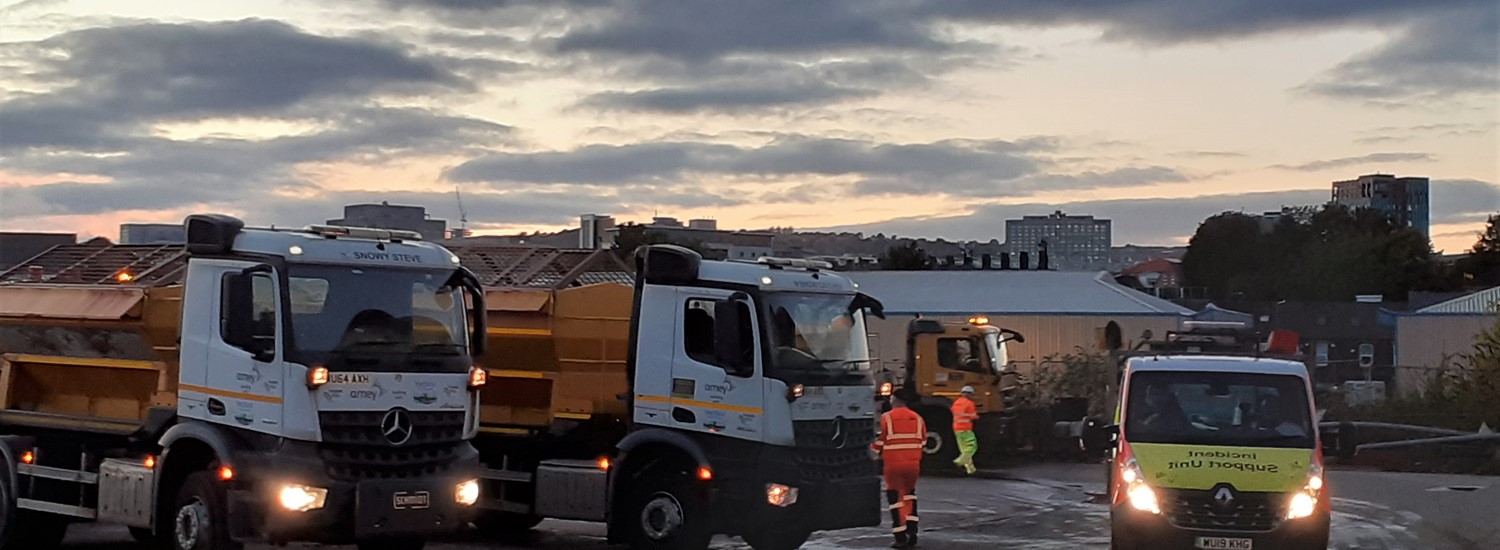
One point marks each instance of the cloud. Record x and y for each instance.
(1362, 160)
(741, 85)
(723, 98)
(916, 165)
(160, 173)
(1437, 58)
(112, 82)
(1463, 201)
(1178, 21)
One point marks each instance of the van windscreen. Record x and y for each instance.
(1219, 408)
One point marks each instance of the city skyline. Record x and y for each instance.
(924, 119)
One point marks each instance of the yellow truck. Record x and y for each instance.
(251, 385)
(940, 359)
(675, 398)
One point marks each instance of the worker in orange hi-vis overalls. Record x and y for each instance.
(902, 436)
(964, 415)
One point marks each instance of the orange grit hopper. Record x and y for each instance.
(88, 337)
(559, 328)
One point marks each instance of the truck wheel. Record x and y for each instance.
(392, 544)
(668, 512)
(199, 518)
(505, 524)
(38, 530)
(941, 448)
(777, 540)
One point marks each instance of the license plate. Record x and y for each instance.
(349, 379)
(417, 500)
(1224, 543)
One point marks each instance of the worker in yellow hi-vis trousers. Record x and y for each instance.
(964, 415)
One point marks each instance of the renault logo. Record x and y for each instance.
(396, 426)
(840, 437)
(1224, 496)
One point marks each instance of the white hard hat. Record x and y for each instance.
(967, 389)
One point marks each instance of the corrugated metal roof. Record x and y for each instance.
(540, 267)
(91, 264)
(1008, 292)
(1478, 303)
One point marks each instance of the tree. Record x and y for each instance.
(1482, 266)
(1330, 254)
(632, 236)
(1223, 253)
(908, 257)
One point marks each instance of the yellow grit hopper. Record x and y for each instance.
(558, 354)
(90, 357)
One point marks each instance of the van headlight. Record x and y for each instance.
(1305, 501)
(1140, 495)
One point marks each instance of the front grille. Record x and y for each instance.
(843, 433)
(817, 465)
(354, 447)
(1191, 509)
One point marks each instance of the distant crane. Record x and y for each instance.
(463, 217)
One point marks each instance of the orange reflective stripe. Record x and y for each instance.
(904, 447)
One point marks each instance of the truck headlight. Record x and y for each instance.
(467, 493)
(301, 498)
(780, 495)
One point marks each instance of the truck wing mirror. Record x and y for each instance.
(478, 313)
(867, 302)
(733, 345)
(1012, 336)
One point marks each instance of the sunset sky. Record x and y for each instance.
(935, 118)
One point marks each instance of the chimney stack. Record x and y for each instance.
(35, 273)
(984, 262)
(1005, 261)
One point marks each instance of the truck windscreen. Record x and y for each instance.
(347, 314)
(1218, 408)
(816, 339)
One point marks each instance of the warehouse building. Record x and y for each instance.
(1057, 312)
(1432, 337)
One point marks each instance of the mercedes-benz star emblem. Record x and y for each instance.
(840, 438)
(396, 426)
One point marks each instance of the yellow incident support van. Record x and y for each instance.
(1217, 452)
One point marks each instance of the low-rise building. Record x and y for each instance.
(19, 246)
(1437, 336)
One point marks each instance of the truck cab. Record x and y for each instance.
(254, 384)
(765, 379)
(1217, 452)
(942, 358)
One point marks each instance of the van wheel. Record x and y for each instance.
(941, 448)
(668, 512)
(199, 520)
(392, 544)
(142, 535)
(506, 524)
(777, 539)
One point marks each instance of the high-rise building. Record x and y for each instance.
(1074, 243)
(594, 231)
(387, 216)
(1405, 200)
(152, 233)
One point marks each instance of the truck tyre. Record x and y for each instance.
(668, 512)
(199, 516)
(506, 524)
(392, 544)
(776, 539)
(941, 447)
